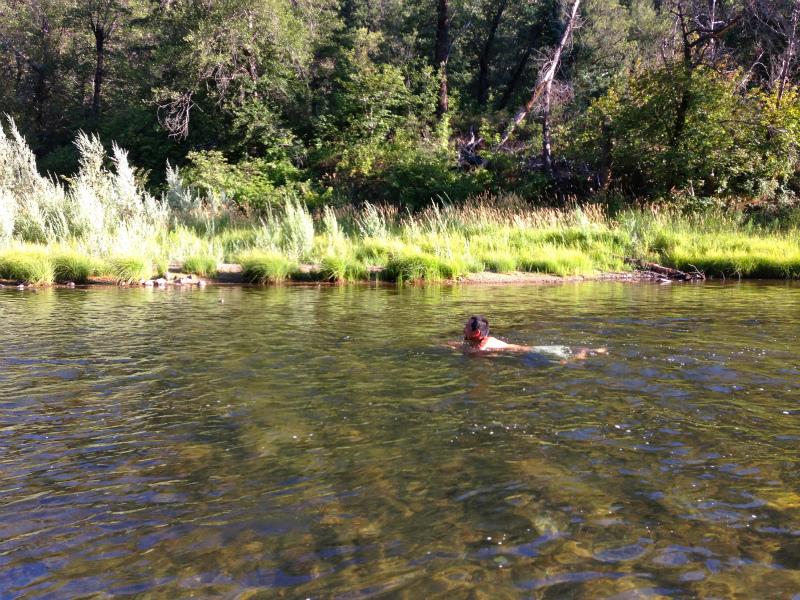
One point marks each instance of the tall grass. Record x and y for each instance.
(266, 267)
(75, 267)
(202, 265)
(27, 265)
(128, 269)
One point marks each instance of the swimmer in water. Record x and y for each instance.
(478, 341)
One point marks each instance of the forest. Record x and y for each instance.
(407, 103)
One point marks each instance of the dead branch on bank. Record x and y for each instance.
(467, 151)
(665, 272)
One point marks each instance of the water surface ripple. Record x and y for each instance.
(319, 442)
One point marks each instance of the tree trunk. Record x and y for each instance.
(547, 157)
(788, 55)
(100, 38)
(440, 53)
(547, 81)
(483, 57)
(516, 75)
(605, 153)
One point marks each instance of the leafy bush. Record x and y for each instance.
(256, 185)
(691, 130)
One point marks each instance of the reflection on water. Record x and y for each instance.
(318, 442)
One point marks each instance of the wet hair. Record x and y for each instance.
(479, 323)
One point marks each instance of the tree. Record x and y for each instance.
(485, 52)
(37, 49)
(544, 89)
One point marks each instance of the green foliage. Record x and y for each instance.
(27, 265)
(266, 267)
(499, 262)
(343, 268)
(202, 265)
(74, 266)
(127, 269)
(256, 185)
(298, 229)
(675, 129)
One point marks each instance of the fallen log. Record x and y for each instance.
(667, 272)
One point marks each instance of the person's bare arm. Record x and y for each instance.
(584, 352)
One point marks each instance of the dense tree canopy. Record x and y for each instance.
(406, 101)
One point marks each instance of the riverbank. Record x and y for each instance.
(229, 274)
(497, 240)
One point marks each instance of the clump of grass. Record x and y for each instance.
(557, 261)
(298, 229)
(415, 266)
(204, 266)
(343, 268)
(266, 267)
(130, 268)
(500, 262)
(161, 266)
(27, 266)
(74, 266)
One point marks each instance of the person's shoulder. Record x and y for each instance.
(492, 343)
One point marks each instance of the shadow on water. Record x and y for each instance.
(321, 443)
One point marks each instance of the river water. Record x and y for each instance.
(320, 442)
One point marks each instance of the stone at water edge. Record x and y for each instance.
(148, 283)
(201, 283)
(161, 281)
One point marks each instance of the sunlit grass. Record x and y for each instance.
(343, 268)
(127, 269)
(75, 267)
(266, 267)
(502, 235)
(27, 265)
(202, 265)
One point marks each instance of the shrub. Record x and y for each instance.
(728, 141)
(298, 229)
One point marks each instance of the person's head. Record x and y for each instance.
(476, 328)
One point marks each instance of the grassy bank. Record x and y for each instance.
(499, 235)
(102, 222)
